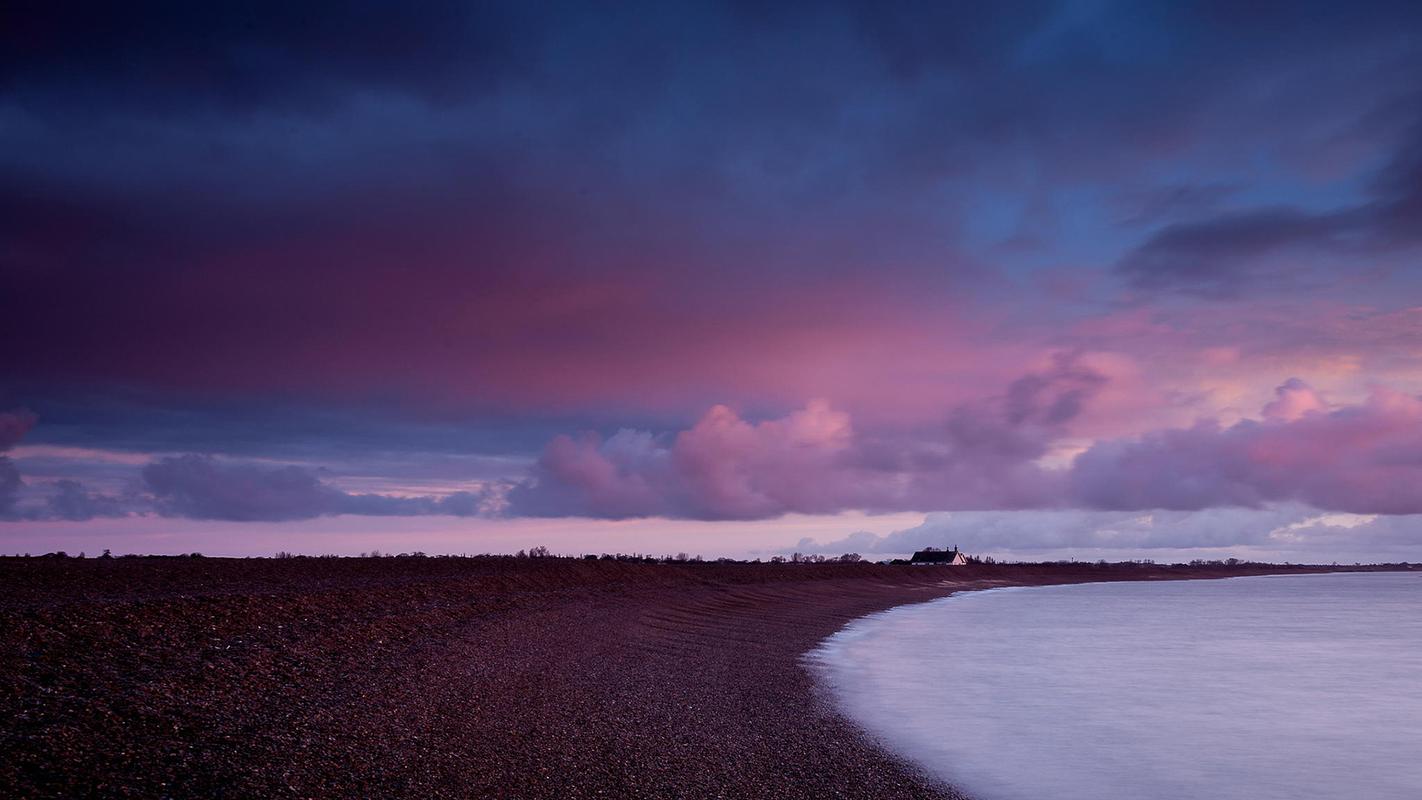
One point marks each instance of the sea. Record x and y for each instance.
(1256, 688)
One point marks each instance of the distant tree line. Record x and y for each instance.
(541, 552)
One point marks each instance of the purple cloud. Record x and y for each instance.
(1226, 253)
(202, 487)
(72, 501)
(13, 426)
(1364, 458)
(10, 484)
(812, 461)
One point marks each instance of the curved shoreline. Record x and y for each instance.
(888, 673)
(451, 677)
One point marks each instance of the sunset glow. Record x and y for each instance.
(740, 280)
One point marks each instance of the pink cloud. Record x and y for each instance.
(1364, 458)
(1294, 400)
(813, 461)
(723, 467)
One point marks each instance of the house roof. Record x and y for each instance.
(933, 556)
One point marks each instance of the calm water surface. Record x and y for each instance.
(1292, 687)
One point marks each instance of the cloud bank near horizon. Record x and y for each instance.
(1301, 450)
(1364, 458)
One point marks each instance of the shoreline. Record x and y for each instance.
(874, 669)
(455, 677)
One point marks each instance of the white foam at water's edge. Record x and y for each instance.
(1261, 688)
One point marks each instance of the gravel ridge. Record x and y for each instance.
(431, 677)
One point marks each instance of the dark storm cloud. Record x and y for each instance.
(1221, 255)
(249, 426)
(13, 427)
(175, 55)
(1397, 205)
(201, 487)
(218, 196)
(10, 483)
(1217, 257)
(71, 501)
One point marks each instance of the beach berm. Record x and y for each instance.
(448, 677)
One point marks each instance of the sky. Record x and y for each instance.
(1039, 279)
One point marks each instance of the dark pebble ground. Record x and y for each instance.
(420, 677)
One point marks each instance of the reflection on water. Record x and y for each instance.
(1306, 686)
